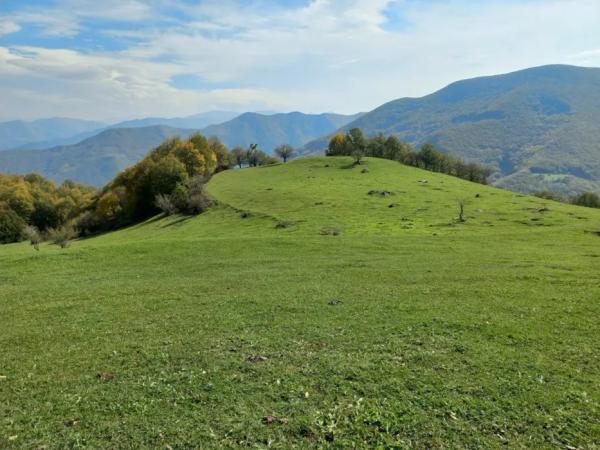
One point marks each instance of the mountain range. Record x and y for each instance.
(537, 128)
(18, 133)
(97, 159)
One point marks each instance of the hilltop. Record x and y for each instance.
(317, 304)
(535, 127)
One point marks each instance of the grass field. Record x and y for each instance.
(405, 330)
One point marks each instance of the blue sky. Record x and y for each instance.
(118, 59)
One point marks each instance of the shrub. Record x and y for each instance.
(588, 199)
(283, 224)
(269, 160)
(86, 222)
(165, 204)
(198, 203)
(330, 231)
(62, 236)
(547, 195)
(32, 234)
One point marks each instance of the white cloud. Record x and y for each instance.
(8, 27)
(327, 55)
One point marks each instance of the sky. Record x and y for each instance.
(118, 59)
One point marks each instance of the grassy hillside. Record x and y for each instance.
(407, 329)
(269, 131)
(95, 160)
(536, 127)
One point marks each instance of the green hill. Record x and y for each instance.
(407, 329)
(536, 127)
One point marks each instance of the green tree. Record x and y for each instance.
(11, 225)
(45, 215)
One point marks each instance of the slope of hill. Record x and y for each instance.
(536, 127)
(269, 131)
(93, 161)
(18, 133)
(406, 330)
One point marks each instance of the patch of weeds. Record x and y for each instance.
(283, 224)
(380, 193)
(330, 231)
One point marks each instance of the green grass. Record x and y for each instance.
(481, 334)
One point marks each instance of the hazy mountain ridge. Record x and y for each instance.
(269, 131)
(16, 133)
(99, 158)
(536, 127)
(95, 160)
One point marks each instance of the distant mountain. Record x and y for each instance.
(16, 133)
(99, 158)
(539, 128)
(95, 160)
(269, 131)
(195, 122)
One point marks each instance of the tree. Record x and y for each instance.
(337, 145)
(355, 142)
(239, 156)
(11, 225)
(255, 156)
(165, 175)
(45, 215)
(284, 151)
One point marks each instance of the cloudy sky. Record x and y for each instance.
(117, 59)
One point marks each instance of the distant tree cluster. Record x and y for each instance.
(254, 157)
(587, 199)
(355, 144)
(32, 207)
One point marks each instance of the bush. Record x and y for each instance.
(165, 204)
(33, 235)
(547, 195)
(62, 236)
(198, 203)
(588, 199)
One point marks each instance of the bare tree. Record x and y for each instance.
(284, 151)
(461, 209)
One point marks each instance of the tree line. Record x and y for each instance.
(356, 145)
